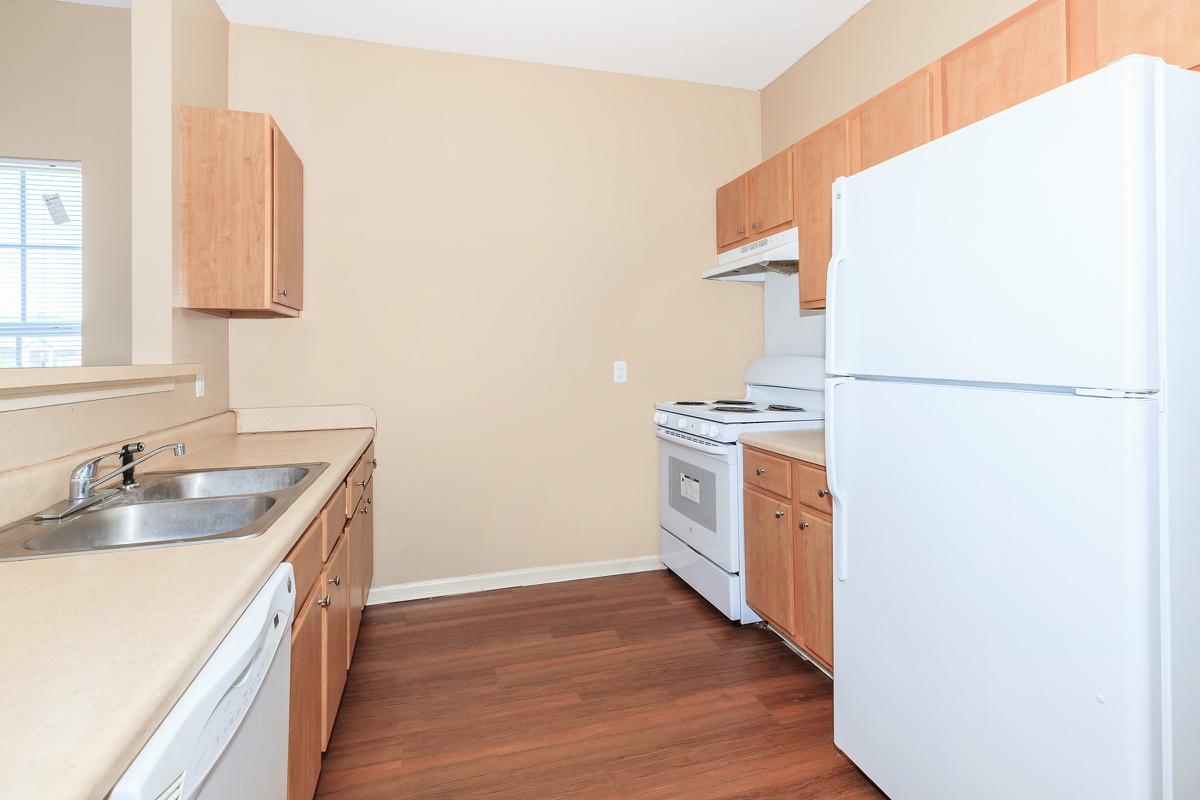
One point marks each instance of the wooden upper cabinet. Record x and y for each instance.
(822, 157)
(287, 182)
(241, 215)
(771, 195)
(895, 121)
(769, 558)
(733, 213)
(1169, 29)
(1020, 58)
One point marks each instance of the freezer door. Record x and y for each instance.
(995, 591)
(1019, 250)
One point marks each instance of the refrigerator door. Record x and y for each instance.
(995, 591)
(1018, 250)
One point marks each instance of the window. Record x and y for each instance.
(41, 263)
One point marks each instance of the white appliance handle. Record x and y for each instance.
(841, 538)
(835, 262)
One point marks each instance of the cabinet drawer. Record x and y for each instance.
(335, 519)
(355, 483)
(307, 558)
(767, 472)
(812, 488)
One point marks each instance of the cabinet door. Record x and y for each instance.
(1169, 29)
(288, 222)
(732, 213)
(225, 209)
(368, 541)
(354, 595)
(814, 585)
(771, 194)
(896, 121)
(1020, 58)
(769, 579)
(823, 157)
(304, 731)
(335, 613)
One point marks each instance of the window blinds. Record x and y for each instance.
(41, 263)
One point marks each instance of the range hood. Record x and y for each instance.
(778, 253)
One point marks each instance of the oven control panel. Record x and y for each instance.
(697, 427)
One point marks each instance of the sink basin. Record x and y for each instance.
(217, 483)
(139, 524)
(168, 508)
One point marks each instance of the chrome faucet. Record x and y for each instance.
(83, 477)
(82, 489)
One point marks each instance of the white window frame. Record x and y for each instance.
(24, 328)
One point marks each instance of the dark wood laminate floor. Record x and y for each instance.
(607, 689)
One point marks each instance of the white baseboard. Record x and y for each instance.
(441, 587)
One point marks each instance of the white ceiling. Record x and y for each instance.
(740, 43)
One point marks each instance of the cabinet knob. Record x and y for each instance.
(325, 601)
(374, 462)
(778, 513)
(741, 231)
(760, 471)
(336, 580)
(803, 525)
(363, 510)
(361, 483)
(754, 226)
(822, 492)
(282, 293)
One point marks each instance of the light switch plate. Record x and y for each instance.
(620, 372)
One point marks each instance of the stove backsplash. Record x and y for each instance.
(789, 331)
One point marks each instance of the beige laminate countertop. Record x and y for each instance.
(97, 648)
(804, 445)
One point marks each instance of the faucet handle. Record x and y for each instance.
(88, 468)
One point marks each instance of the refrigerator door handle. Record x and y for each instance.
(839, 257)
(841, 543)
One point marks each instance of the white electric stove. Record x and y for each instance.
(700, 471)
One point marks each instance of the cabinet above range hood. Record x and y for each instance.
(778, 253)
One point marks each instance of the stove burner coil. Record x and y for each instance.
(691, 402)
(781, 407)
(733, 402)
(736, 409)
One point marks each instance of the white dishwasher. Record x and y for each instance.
(227, 737)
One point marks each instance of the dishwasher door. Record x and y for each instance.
(227, 737)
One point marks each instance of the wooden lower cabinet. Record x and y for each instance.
(769, 558)
(333, 563)
(789, 555)
(335, 582)
(814, 584)
(304, 733)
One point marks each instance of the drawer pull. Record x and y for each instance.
(336, 580)
(822, 492)
(778, 513)
(760, 471)
(803, 525)
(325, 601)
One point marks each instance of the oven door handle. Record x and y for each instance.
(724, 452)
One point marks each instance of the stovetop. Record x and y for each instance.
(748, 411)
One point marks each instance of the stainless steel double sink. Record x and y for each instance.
(168, 508)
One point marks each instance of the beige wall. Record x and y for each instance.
(64, 94)
(482, 239)
(886, 41)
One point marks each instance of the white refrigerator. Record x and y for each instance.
(1013, 438)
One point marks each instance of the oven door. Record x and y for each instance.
(698, 493)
